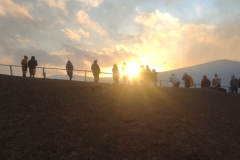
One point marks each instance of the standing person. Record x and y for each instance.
(32, 66)
(175, 81)
(154, 77)
(24, 64)
(186, 79)
(96, 71)
(115, 72)
(148, 75)
(142, 75)
(216, 82)
(69, 68)
(125, 75)
(234, 84)
(205, 82)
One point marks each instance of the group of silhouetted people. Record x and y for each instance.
(216, 82)
(146, 76)
(31, 64)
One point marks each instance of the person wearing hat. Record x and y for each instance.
(69, 68)
(32, 66)
(24, 64)
(96, 71)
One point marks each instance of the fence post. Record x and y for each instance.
(160, 83)
(85, 76)
(44, 74)
(194, 85)
(11, 70)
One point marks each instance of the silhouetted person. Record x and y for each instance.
(125, 75)
(24, 64)
(135, 80)
(205, 82)
(96, 71)
(142, 75)
(216, 82)
(186, 80)
(32, 66)
(148, 75)
(154, 77)
(175, 81)
(234, 84)
(115, 72)
(69, 68)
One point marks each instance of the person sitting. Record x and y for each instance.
(216, 82)
(175, 81)
(205, 82)
(186, 79)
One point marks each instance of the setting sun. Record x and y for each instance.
(132, 69)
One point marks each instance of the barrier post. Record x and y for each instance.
(11, 70)
(160, 83)
(44, 74)
(85, 76)
(194, 85)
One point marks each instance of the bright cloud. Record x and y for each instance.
(93, 3)
(9, 7)
(72, 34)
(83, 18)
(60, 4)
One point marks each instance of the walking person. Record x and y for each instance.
(154, 77)
(32, 66)
(205, 82)
(234, 84)
(96, 71)
(115, 72)
(186, 79)
(24, 64)
(175, 81)
(216, 82)
(69, 68)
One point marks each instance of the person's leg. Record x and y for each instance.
(34, 71)
(232, 90)
(97, 78)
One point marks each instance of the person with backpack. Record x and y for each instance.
(205, 82)
(32, 66)
(115, 72)
(216, 82)
(96, 71)
(186, 79)
(24, 64)
(234, 84)
(175, 81)
(69, 68)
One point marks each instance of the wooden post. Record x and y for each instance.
(11, 70)
(160, 83)
(44, 74)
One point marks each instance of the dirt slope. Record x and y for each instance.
(56, 119)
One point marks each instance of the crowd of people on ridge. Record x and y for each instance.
(146, 76)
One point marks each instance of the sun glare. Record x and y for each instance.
(132, 69)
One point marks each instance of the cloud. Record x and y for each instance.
(82, 32)
(93, 3)
(60, 4)
(198, 9)
(8, 7)
(83, 18)
(72, 34)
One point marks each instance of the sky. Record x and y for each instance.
(164, 34)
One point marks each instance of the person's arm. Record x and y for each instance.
(36, 63)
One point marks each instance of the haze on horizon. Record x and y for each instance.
(164, 34)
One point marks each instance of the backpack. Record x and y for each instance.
(234, 83)
(191, 81)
